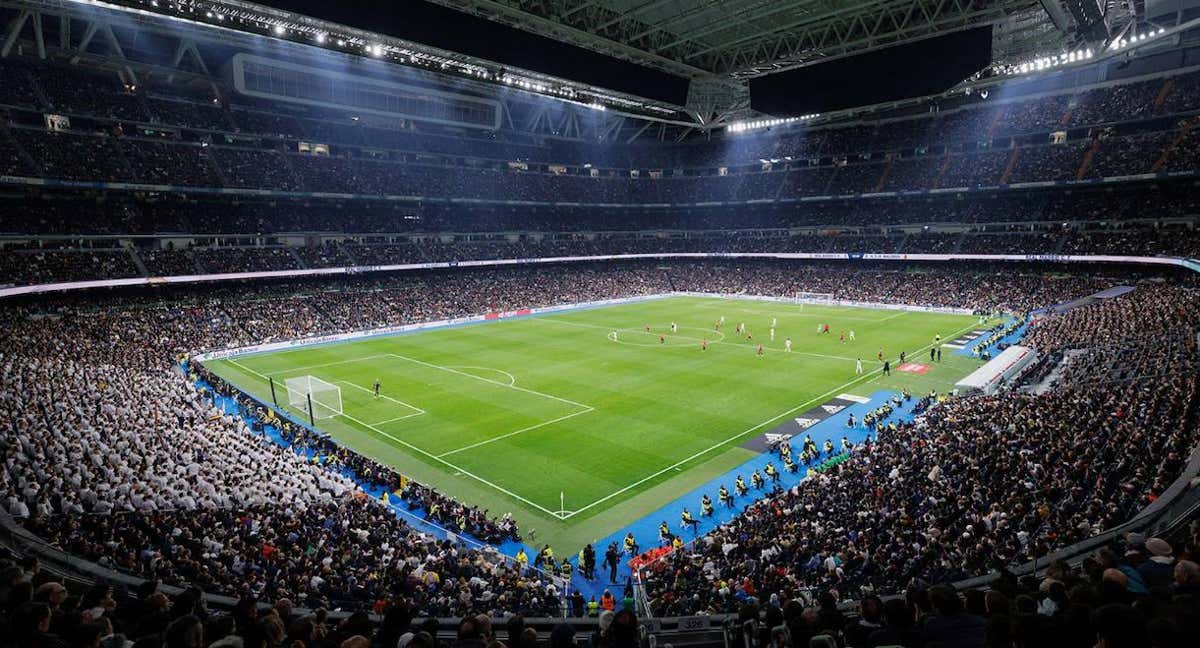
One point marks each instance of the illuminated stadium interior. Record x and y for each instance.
(605, 323)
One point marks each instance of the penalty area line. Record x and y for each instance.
(418, 411)
(435, 457)
(488, 380)
(331, 364)
(452, 466)
(248, 369)
(516, 432)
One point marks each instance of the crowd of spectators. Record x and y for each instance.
(245, 259)
(34, 266)
(1107, 601)
(83, 157)
(853, 159)
(70, 213)
(111, 455)
(47, 262)
(982, 481)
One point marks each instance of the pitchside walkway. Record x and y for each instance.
(968, 347)
(645, 530)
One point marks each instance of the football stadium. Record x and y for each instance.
(600, 324)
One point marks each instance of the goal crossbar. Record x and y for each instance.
(326, 397)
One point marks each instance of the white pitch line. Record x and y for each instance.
(725, 442)
(512, 380)
(394, 400)
(398, 418)
(735, 437)
(434, 457)
(688, 337)
(245, 368)
(327, 364)
(516, 432)
(451, 466)
(494, 382)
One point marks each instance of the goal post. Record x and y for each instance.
(326, 397)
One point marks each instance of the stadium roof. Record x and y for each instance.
(716, 45)
(722, 44)
(749, 38)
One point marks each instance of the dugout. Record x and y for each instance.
(998, 371)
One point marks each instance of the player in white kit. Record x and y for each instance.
(787, 344)
(858, 367)
(772, 333)
(851, 335)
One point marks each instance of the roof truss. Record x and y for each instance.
(742, 38)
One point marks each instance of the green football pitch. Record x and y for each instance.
(578, 422)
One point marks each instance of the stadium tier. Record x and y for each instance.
(319, 338)
(116, 135)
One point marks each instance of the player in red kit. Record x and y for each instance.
(760, 350)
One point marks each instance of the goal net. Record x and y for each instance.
(326, 397)
(813, 298)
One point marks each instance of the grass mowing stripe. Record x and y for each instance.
(329, 364)
(438, 458)
(859, 379)
(516, 432)
(551, 320)
(504, 401)
(418, 411)
(451, 466)
(488, 380)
